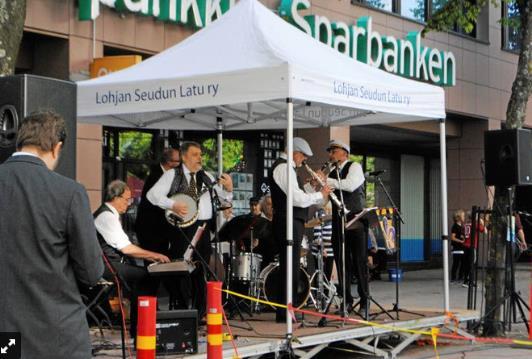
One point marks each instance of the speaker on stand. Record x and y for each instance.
(24, 94)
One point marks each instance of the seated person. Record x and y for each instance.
(117, 247)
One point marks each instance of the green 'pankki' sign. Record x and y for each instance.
(197, 13)
(407, 57)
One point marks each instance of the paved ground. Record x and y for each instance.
(423, 289)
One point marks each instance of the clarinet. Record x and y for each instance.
(332, 196)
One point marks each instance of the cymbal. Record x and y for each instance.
(317, 221)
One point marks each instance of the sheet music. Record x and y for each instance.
(370, 213)
(197, 236)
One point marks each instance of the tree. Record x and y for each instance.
(12, 16)
(464, 13)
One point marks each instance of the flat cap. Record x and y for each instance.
(338, 144)
(300, 145)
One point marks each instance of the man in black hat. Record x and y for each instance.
(351, 183)
(301, 202)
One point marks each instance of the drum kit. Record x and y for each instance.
(247, 270)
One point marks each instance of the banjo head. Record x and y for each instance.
(187, 220)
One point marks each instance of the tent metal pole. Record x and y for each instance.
(219, 145)
(289, 215)
(444, 232)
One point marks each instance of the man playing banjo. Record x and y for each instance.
(184, 192)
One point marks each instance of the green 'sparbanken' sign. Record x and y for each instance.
(406, 57)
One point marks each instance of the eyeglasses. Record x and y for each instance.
(334, 150)
(129, 200)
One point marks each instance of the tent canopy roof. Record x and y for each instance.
(241, 68)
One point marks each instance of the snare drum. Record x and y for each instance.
(246, 266)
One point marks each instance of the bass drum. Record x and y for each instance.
(270, 279)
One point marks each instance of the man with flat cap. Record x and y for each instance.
(351, 183)
(301, 202)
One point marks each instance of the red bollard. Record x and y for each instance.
(147, 309)
(214, 320)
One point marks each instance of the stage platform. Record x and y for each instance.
(260, 335)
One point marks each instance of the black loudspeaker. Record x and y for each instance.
(20, 95)
(177, 332)
(523, 198)
(508, 157)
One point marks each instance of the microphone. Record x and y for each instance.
(208, 181)
(374, 173)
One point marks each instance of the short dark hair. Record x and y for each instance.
(187, 144)
(115, 189)
(43, 129)
(167, 154)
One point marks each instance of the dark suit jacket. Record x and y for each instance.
(47, 243)
(151, 226)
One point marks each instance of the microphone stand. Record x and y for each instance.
(216, 206)
(397, 215)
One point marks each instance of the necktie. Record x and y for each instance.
(192, 188)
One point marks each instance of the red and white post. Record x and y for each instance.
(214, 320)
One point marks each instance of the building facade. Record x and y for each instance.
(58, 43)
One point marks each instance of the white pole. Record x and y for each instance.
(445, 233)
(219, 145)
(289, 213)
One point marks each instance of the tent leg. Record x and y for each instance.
(289, 217)
(445, 233)
(220, 160)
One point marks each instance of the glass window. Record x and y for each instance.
(233, 155)
(386, 5)
(413, 9)
(135, 145)
(511, 29)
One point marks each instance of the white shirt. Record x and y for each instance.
(301, 199)
(353, 180)
(21, 153)
(109, 226)
(157, 195)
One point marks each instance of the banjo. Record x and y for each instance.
(188, 219)
(192, 204)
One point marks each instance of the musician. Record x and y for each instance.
(118, 249)
(301, 202)
(266, 207)
(151, 226)
(351, 182)
(189, 178)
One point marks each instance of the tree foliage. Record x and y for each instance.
(12, 16)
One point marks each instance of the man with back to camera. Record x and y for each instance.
(47, 243)
(351, 182)
(117, 247)
(301, 202)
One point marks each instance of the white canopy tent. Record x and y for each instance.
(252, 70)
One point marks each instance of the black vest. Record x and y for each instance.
(180, 184)
(354, 201)
(111, 253)
(279, 197)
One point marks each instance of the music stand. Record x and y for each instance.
(397, 217)
(369, 215)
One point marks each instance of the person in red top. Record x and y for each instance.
(470, 248)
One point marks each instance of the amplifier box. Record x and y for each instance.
(177, 332)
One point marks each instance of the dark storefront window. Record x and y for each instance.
(510, 30)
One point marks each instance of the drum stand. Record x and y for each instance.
(321, 300)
